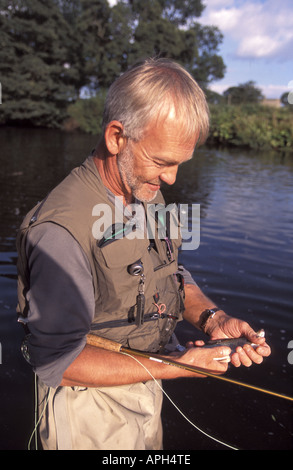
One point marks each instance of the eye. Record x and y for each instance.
(159, 164)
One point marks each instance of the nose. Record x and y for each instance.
(169, 174)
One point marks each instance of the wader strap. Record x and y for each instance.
(63, 432)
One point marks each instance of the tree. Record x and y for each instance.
(243, 93)
(109, 48)
(168, 28)
(91, 30)
(36, 62)
(52, 49)
(115, 38)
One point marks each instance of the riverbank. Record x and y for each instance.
(245, 126)
(252, 126)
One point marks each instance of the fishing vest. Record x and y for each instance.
(139, 295)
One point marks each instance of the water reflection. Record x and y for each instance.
(32, 162)
(244, 262)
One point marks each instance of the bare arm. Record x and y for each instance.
(197, 302)
(96, 367)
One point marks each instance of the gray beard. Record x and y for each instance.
(125, 167)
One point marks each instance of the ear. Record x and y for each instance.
(114, 138)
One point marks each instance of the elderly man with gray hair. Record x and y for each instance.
(72, 283)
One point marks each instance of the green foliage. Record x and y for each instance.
(243, 93)
(252, 126)
(51, 49)
(168, 28)
(86, 114)
(35, 62)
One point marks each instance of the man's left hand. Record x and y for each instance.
(229, 327)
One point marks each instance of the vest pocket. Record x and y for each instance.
(117, 286)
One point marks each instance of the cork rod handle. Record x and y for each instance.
(98, 342)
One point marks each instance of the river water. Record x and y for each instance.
(244, 262)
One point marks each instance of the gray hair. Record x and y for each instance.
(148, 91)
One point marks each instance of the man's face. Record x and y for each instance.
(146, 164)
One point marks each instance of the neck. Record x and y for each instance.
(109, 173)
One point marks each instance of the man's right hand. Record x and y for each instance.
(206, 358)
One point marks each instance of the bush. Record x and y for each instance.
(252, 126)
(87, 113)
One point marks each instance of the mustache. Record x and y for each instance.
(155, 182)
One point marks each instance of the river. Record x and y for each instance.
(244, 262)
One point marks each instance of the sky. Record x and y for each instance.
(257, 44)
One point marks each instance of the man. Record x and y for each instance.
(126, 289)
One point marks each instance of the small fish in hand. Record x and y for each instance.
(232, 343)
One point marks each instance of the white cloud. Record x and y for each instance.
(257, 46)
(260, 29)
(225, 18)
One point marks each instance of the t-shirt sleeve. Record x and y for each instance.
(188, 279)
(61, 301)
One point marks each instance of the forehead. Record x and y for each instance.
(165, 139)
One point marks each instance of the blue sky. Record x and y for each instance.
(257, 45)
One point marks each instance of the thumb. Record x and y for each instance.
(257, 337)
(221, 353)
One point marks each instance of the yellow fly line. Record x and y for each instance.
(97, 341)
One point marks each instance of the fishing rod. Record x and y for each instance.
(109, 345)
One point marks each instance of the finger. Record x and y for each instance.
(221, 362)
(248, 355)
(235, 360)
(243, 357)
(264, 350)
(191, 344)
(253, 354)
(255, 337)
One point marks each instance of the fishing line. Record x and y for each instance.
(37, 422)
(178, 409)
(110, 345)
